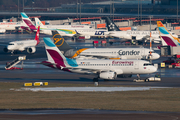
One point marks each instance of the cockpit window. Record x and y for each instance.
(147, 64)
(11, 44)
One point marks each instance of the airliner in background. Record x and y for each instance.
(167, 38)
(4, 26)
(101, 68)
(108, 53)
(43, 29)
(29, 45)
(81, 30)
(137, 36)
(65, 30)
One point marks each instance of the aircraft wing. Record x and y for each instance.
(92, 70)
(88, 70)
(146, 37)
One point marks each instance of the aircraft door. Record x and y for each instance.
(136, 65)
(143, 54)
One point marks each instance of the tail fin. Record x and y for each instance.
(28, 22)
(39, 23)
(53, 53)
(37, 35)
(166, 36)
(111, 26)
(60, 42)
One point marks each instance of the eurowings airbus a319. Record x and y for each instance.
(109, 53)
(101, 68)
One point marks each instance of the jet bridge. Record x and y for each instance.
(10, 65)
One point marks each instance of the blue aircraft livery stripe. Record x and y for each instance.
(163, 30)
(71, 62)
(49, 42)
(24, 15)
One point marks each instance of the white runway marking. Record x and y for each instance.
(90, 89)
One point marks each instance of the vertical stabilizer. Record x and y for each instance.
(53, 53)
(37, 35)
(39, 23)
(110, 25)
(28, 22)
(60, 42)
(166, 36)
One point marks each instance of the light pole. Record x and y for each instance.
(23, 5)
(110, 8)
(138, 9)
(177, 10)
(77, 8)
(113, 10)
(18, 9)
(150, 41)
(80, 12)
(141, 12)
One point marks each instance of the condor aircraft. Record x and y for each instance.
(110, 53)
(30, 45)
(101, 68)
(138, 36)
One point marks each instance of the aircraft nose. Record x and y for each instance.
(155, 56)
(9, 47)
(154, 69)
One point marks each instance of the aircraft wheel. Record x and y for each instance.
(106, 80)
(147, 80)
(95, 79)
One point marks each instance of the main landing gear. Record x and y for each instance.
(138, 77)
(95, 80)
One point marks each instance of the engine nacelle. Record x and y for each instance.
(6, 50)
(108, 75)
(87, 37)
(31, 50)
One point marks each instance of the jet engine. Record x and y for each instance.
(108, 75)
(6, 50)
(87, 37)
(31, 50)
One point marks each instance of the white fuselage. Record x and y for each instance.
(73, 31)
(122, 53)
(138, 34)
(11, 25)
(118, 66)
(21, 45)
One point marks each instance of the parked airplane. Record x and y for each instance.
(167, 38)
(102, 68)
(65, 30)
(39, 23)
(4, 26)
(136, 36)
(30, 45)
(81, 30)
(110, 53)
